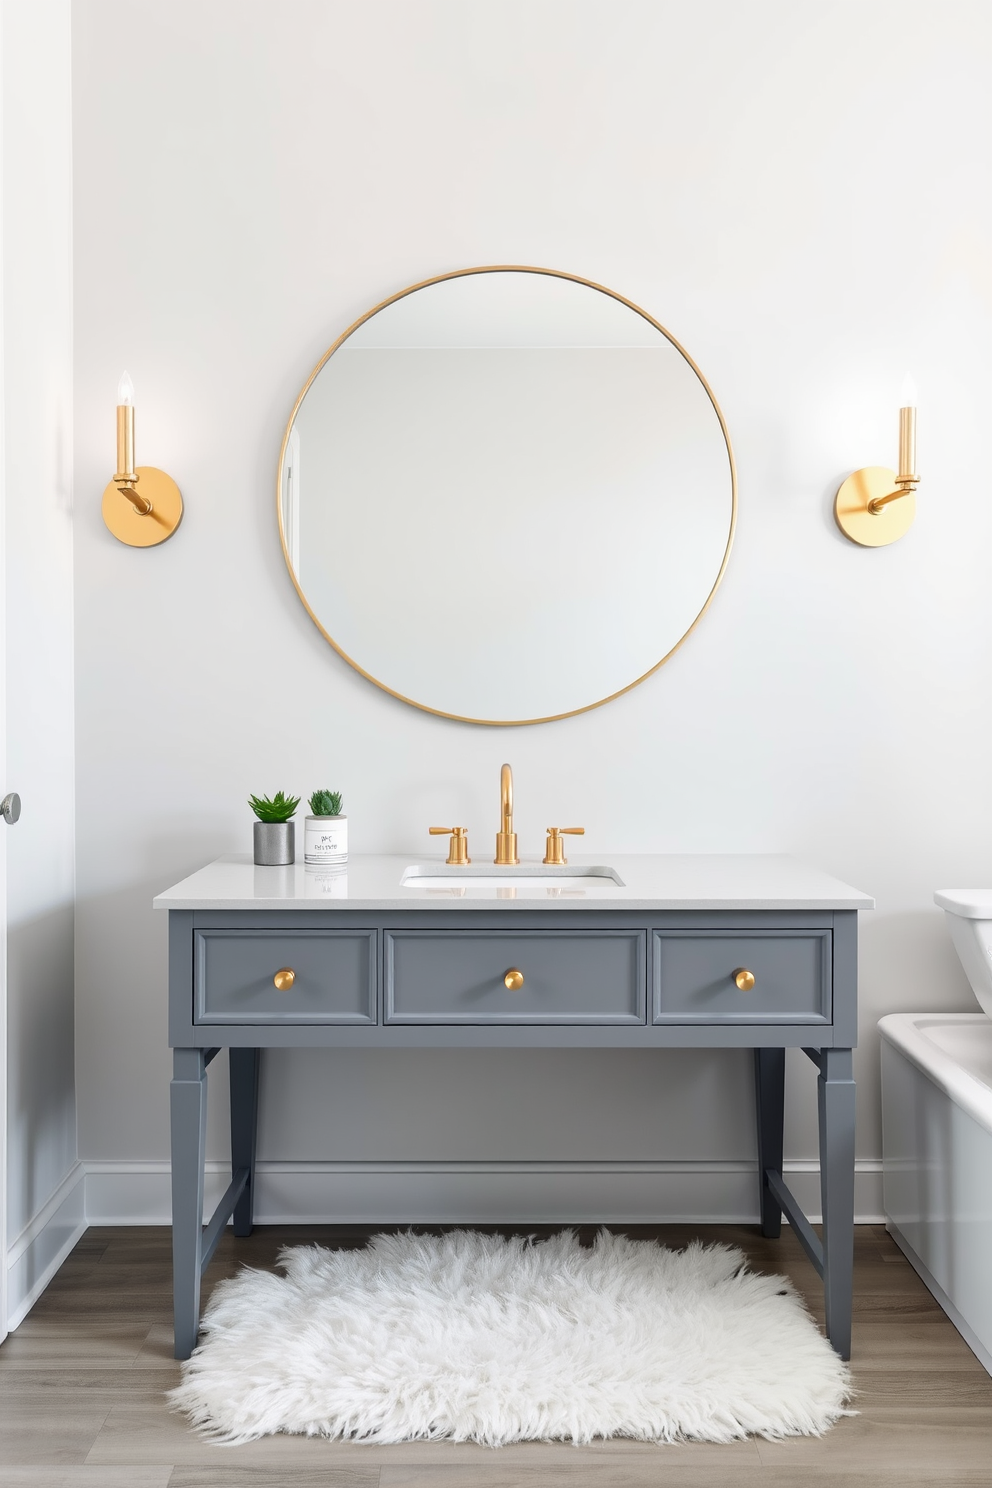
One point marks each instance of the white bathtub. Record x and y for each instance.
(937, 1159)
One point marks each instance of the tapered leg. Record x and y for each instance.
(244, 1123)
(769, 1100)
(189, 1131)
(835, 1090)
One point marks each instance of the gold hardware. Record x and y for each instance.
(464, 274)
(143, 529)
(506, 837)
(513, 980)
(744, 978)
(142, 506)
(457, 847)
(126, 476)
(555, 849)
(284, 979)
(875, 506)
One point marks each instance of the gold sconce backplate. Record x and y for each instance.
(138, 531)
(870, 529)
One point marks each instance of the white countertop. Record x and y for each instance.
(649, 882)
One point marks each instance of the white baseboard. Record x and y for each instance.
(39, 1250)
(663, 1192)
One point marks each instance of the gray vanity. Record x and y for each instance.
(662, 952)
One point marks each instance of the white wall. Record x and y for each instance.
(44, 1202)
(801, 194)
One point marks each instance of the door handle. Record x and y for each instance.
(10, 808)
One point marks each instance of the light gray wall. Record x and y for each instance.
(37, 422)
(801, 194)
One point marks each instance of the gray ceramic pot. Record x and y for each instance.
(275, 843)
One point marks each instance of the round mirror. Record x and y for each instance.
(506, 495)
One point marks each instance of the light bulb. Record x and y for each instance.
(125, 392)
(908, 392)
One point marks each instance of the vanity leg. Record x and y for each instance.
(835, 1092)
(244, 1124)
(189, 1132)
(769, 1100)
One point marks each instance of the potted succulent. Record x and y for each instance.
(325, 833)
(275, 834)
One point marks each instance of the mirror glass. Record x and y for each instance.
(506, 495)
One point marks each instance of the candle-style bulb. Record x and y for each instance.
(125, 433)
(907, 436)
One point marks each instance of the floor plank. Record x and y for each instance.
(85, 1477)
(49, 1436)
(83, 1382)
(239, 1477)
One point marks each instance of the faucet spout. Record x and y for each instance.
(506, 837)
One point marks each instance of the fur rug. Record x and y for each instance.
(474, 1337)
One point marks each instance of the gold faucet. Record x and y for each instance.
(506, 837)
(555, 850)
(458, 846)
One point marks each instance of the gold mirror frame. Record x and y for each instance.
(461, 274)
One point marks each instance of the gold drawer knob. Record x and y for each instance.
(744, 978)
(284, 979)
(513, 980)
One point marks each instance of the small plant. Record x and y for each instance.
(326, 803)
(277, 808)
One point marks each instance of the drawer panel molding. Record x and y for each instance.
(514, 976)
(741, 976)
(295, 976)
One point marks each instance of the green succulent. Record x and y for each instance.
(277, 808)
(326, 803)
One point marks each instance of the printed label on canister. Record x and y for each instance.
(325, 839)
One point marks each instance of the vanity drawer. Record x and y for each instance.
(334, 976)
(694, 976)
(569, 976)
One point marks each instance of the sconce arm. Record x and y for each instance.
(906, 488)
(141, 504)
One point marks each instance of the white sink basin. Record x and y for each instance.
(523, 876)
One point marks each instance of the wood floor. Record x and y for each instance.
(82, 1384)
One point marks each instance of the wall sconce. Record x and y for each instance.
(875, 506)
(142, 506)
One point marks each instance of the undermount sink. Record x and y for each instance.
(521, 876)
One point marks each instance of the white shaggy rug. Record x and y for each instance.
(474, 1337)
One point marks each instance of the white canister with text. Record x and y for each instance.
(325, 840)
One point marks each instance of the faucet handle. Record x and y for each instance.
(555, 850)
(457, 847)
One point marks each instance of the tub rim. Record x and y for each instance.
(902, 1032)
